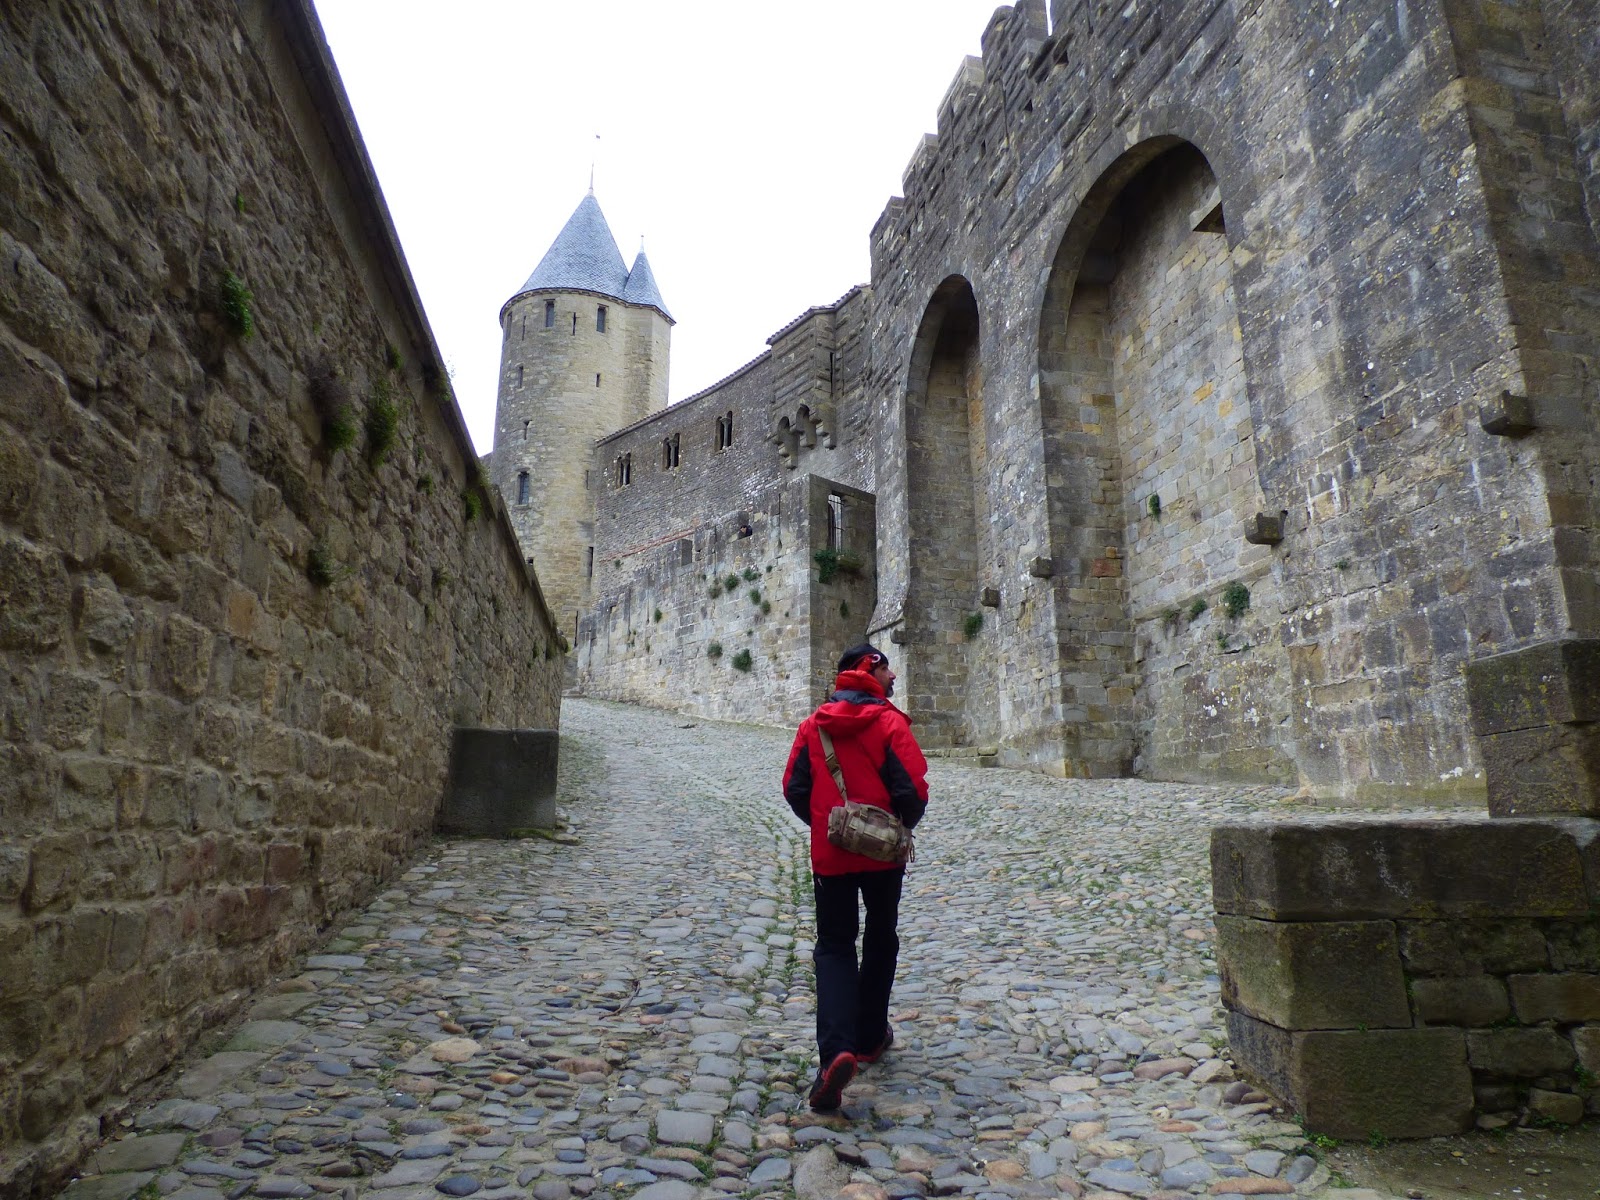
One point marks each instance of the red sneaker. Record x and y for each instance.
(828, 1089)
(865, 1057)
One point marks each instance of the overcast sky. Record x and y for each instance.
(752, 145)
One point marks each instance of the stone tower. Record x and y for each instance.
(584, 351)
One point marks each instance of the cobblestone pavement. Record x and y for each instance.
(630, 1014)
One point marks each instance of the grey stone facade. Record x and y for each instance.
(1197, 343)
(230, 655)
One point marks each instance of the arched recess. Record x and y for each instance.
(948, 682)
(1150, 450)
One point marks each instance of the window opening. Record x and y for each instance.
(525, 425)
(522, 487)
(725, 431)
(590, 567)
(519, 376)
(835, 521)
(597, 379)
(549, 313)
(624, 470)
(574, 322)
(600, 319)
(669, 452)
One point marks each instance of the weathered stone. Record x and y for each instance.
(1519, 1053)
(1556, 1106)
(1313, 975)
(1552, 683)
(1474, 1001)
(502, 782)
(1399, 1083)
(1344, 869)
(1461, 948)
(1564, 998)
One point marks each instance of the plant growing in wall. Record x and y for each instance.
(322, 568)
(1154, 505)
(731, 583)
(751, 574)
(766, 607)
(658, 615)
(392, 359)
(383, 422)
(235, 299)
(1235, 600)
(742, 661)
(714, 651)
(471, 504)
(832, 563)
(755, 595)
(1199, 606)
(973, 625)
(331, 399)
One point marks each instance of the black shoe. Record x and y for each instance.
(828, 1089)
(864, 1057)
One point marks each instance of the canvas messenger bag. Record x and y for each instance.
(863, 828)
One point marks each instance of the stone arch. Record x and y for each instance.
(948, 680)
(1149, 446)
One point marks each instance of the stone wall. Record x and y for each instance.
(231, 654)
(1412, 978)
(666, 628)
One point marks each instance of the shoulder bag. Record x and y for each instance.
(863, 828)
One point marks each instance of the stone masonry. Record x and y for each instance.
(231, 652)
(1224, 388)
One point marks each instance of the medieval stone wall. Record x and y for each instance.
(231, 655)
(1366, 266)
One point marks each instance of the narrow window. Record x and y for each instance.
(549, 313)
(724, 431)
(600, 319)
(590, 567)
(624, 470)
(519, 376)
(525, 425)
(835, 521)
(673, 442)
(522, 487)
(574, 322)
(597, 379)
(666, 453)
(730, 426)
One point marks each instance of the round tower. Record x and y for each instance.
(584, 351)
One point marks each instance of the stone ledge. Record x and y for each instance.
(1344, 868)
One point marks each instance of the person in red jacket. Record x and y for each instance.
(883, 765)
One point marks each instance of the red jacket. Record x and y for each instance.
(881, 762)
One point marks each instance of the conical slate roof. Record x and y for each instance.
(584, 258)
(641, 287)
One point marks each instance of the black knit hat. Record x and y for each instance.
(851, 658)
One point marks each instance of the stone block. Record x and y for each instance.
(1041, 568)
(1394, 1082)
(1313, 975)
(1346, 868)
(1546, 770)
(1553, 683)
(1564, 998)
(1263, 1053)
(1510, 415)
(1562, 1107)
(1461, 948)
(1476, 1000)
(1586, 1042)
(502, 781)
(1574, 945)
(1264, 529)
(1519, 1053)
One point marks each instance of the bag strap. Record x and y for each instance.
(832, 760)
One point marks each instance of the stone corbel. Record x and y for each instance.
(1264, 529)
(1510, 416)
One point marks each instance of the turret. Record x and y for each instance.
(585, 344)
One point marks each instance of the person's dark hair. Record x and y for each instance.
(851, 658)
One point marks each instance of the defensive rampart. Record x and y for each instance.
(248, 577)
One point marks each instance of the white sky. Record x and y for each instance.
(752, 144)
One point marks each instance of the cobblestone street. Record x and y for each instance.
(629, 1014)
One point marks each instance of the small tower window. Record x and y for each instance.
(574, 322)
(597, 379)
(590, 568)
(600, 319)
(624, 470)
(669, 452)
(549, 313)
(725, 431)
(525, 425)
(522, 487)
(519, 376)
(835, 521)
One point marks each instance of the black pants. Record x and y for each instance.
(852, 1001)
